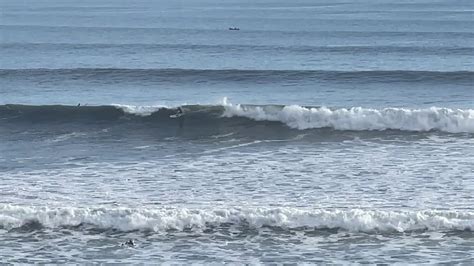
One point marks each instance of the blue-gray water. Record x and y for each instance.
(320, 132)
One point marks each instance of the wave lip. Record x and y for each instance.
(358, 118)
(139, 110)
(163, 219)
(227, 115)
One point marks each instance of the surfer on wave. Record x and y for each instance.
(179, 113)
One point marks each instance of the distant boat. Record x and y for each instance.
(234, 28)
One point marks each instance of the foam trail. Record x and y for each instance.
(139, 110)
(162, 219)
(358, 118)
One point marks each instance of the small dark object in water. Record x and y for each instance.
(179, 113)
(129, 243)
(234, 28)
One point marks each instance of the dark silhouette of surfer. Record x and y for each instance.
(180, 118)
(129, 243)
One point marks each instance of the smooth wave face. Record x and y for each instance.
(162, 220)
(243, 76)
(294, 117)
(223, 48)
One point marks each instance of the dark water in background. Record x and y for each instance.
(321, 131)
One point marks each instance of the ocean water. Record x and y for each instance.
(320, 132)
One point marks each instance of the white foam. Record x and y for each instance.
(162, 219)
(67, 136)
(139, 110)
(358, 118)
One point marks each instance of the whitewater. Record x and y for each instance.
(294, 116)
(161, 220)
(358, 118)
(318, 133)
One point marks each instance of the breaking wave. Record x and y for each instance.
(245, 116)
(358, 118)
(163, 219)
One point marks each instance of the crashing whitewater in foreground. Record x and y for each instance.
(294, 116)
(164, 219)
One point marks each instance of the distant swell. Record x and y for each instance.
(225, 48)
(163, 219)
(239, 75)
(242, 117)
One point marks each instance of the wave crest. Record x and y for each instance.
(236, 117)
(159, 220)
(358, 118)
